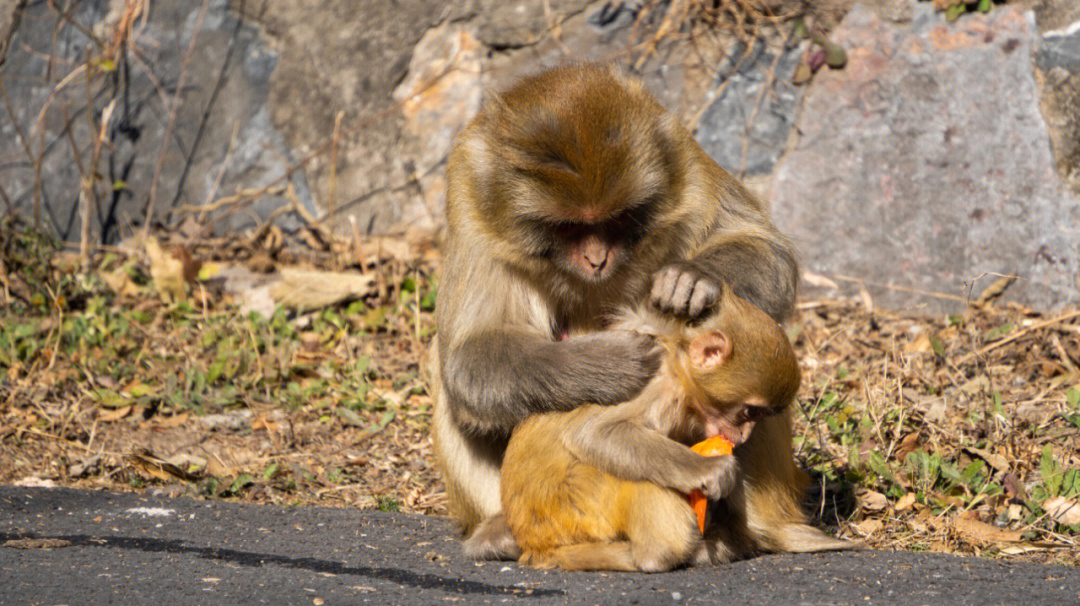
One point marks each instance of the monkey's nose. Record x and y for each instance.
(595, 252)
(597, 260)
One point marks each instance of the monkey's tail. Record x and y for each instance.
(800, 538)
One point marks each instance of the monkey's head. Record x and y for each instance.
(572, 169)
(742, 369)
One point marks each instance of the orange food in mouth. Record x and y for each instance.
(716, 446)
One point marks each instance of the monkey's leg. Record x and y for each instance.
(470, 468)
(727, 537)
(662, 529)
(586, 556)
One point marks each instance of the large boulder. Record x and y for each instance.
(223, 115)
(926, 165)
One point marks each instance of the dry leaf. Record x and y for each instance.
(864, 297)
(995, 290)
(870, 500)
(920, 345)
(815, 279)
(310, 289)
(263, 423)
(803, 73)
(120, 282)
(908, 444)
(1064, 511)
(1015, 512)
(977, 385)
(996, 461)
(148, 463)
(218, 468)
(170, 422)
(84, 468)
(981, 532)
(1027, 547)
(869, 526)
(905, 502)
(166, 271)
(114, 414)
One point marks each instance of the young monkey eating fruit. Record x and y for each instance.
(607, 487)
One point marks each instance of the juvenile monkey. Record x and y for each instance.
(604, 488)
(569, 195)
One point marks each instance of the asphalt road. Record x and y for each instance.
(138, 549)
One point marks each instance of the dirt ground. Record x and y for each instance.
(951, 434)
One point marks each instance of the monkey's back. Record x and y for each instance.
(550, 498)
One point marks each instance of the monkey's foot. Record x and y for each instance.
(491, 541)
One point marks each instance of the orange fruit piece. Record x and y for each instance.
(716, 446)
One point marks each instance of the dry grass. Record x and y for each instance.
(944, 434)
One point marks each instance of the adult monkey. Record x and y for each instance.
(570, 194)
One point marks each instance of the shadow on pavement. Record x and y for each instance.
(248, 558)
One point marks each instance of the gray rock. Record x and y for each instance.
(1058, 60)
(1054, 14)
(9, 18)
(504, 24)
(224, 90)
(926, 164)
(1060, 48)
(744, 128)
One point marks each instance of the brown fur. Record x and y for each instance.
(603, 487)
(570, 195)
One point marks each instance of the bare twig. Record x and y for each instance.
(331, 189)
(221, 173)
(173, 111)
(87, 194)
(1016, 335)
(916, 291)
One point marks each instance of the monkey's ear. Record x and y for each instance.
(710, 350)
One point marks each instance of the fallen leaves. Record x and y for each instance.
(1064, 511)
(910, 433)
(871, 501)
(981, 532)
(917, 442)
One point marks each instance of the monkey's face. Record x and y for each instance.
(592, 250)
(577, 172)
(738, 391)
(735, 420)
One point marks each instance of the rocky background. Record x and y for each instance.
(942, 156)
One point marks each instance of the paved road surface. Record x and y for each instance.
(138, 549)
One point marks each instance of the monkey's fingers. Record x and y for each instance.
(705, 296)
(671, 291)
(683, 292)
(684, 288)
(663, 287)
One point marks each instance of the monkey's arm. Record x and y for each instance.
(496, 378)
(613, 439)
(757, 263)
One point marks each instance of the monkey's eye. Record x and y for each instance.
(754, 414)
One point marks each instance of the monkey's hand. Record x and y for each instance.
(715, 477)
(608, 367)
(683, 290)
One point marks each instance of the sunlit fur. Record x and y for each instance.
(568, 506)
(576, 147)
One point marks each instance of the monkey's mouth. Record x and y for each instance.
(716, 425)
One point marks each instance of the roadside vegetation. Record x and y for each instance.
(956, 433)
